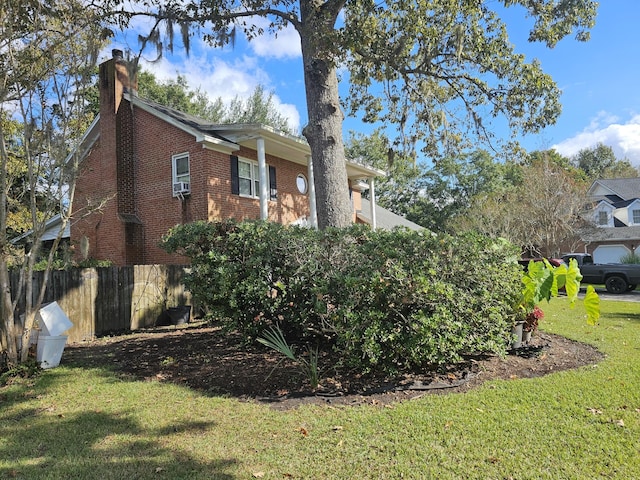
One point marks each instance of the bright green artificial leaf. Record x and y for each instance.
(592, 305)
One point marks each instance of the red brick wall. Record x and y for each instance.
(289, 206)
(98, 183)
(154, 143)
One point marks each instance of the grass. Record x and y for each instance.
(582, 424)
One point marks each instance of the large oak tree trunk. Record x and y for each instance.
(324, 130)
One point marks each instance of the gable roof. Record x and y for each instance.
(623, 188)
(230, 137)
(51, 230)
(385, 219)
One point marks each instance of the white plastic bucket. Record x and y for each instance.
(49, 350)
(52, 320)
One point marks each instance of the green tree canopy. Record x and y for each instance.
(601, 162)
(541, 212)
(259, 107)
(398, 190)
(47, 58)
(437, 70)
(177, 94)
(448, 188)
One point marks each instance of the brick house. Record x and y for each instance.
(616, 215)
(152, 167)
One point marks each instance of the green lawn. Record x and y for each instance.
(72, 423)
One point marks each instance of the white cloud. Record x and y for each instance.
(290, 112)
(219, 78)
(213, 70)
(623, 138)
(283, 44)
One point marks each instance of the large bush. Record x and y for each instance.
(385, 300)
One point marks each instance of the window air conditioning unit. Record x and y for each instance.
(181, 188)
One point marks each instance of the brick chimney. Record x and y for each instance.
(117, 140)
(114, 81)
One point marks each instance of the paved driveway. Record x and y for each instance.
(623, 297)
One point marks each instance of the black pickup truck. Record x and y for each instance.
(617, 277)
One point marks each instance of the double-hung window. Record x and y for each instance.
(245, 178)
(181, 173)
(603, 218)
(636, 216)
(248, 178)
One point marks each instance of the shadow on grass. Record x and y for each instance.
(39, 443)
(633, 317)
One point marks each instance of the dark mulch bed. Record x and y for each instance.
(204, 358)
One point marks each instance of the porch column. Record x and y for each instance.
(372, 202)
(262, 177)
(311, 191)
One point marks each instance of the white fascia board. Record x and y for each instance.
(87, 141)
(246, 133)
(298, 146)
(604, 205)
(358, 171)
(593, 189)
(217, 144)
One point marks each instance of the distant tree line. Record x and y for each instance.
(537, 201)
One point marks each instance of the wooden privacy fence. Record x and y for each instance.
(111, 299)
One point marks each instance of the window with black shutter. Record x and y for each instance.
(245, 179)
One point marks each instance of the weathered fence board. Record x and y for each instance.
(110, 299)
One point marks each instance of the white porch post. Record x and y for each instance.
(311, 188)
(372, 202)
(262, 173)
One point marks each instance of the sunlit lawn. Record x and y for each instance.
(74, 424)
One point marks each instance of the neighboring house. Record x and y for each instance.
(616, 214)
(151, 167)
(51, 230)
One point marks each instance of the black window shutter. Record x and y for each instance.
(235, 179)
(273, 188)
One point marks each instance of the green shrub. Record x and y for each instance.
(385, 300)
(13, 374)
(631, 258)
(416, 298)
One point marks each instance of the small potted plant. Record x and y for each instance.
(531, 323)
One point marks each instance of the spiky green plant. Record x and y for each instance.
(274, 338)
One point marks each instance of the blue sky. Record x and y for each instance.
(599, 79)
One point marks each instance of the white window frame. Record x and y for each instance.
(302, 184)
(600, 215)
(634, 219)
(180, 177)
(253, 178)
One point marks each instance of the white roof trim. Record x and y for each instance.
(51, 230)
(597, 183)
(87, 141)
(239, 133)
(604, 203)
